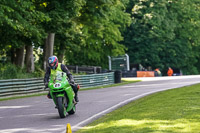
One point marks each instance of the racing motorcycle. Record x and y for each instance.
(62, 94)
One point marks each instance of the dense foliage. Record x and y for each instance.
(101, 23)
(164, 33)
(19, 24)
(153, 33)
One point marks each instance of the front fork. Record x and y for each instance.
(68, 104)
(55, 96)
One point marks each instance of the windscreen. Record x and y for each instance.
(57, 76)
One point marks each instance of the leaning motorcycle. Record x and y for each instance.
(62, 94)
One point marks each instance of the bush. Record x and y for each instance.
(38, 72)
(11, 71)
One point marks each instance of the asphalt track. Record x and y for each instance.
(38, 115)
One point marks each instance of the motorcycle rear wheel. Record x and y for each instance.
(61, 107)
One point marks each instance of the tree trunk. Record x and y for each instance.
(61, 53)
(45, 54)
(30, 59)
(13, 55)
(19, 61)
(61, 56)
(48, 48)
(51, 43)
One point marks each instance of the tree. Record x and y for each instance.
(19, 24)
(100, 24)
(187, 34)
(61, 15)
(163, 33)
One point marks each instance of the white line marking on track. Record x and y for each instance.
(193, 82)
(13, 107)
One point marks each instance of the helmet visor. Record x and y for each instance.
(52, 64)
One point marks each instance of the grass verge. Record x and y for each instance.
(45, 93)
(24, 96)
(171, 111)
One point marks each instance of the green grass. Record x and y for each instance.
(45, 93)
(172, 111)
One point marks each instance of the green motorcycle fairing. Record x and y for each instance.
(60, 87)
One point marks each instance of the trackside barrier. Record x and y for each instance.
(86, 69)
(86, 81)
(15, 87)
(145, 74)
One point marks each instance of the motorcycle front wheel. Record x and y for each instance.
(61, 107)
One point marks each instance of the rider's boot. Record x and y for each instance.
(49, 96)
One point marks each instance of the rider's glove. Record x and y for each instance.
(71, 81)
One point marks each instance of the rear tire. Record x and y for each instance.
(61, 107)
(72, 111)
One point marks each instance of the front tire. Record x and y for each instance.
(61, 107)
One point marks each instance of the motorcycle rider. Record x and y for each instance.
(55, 66)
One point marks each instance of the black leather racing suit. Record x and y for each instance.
(63, 68)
